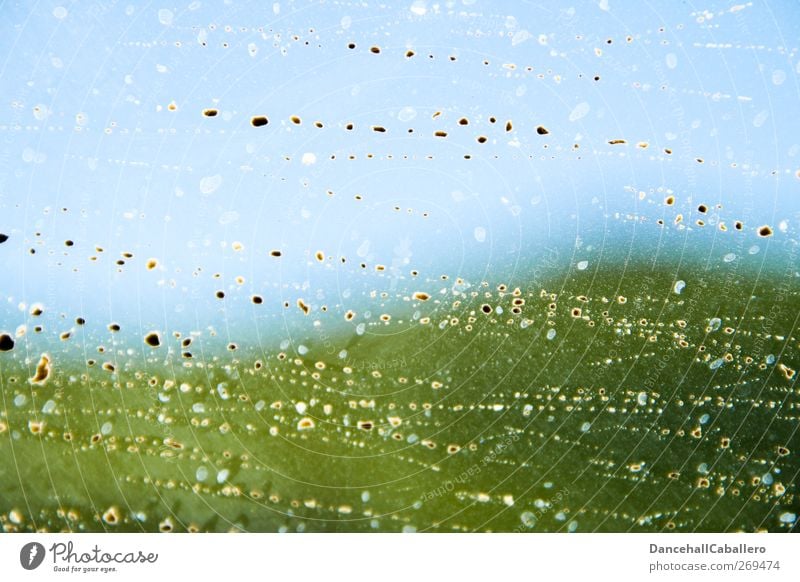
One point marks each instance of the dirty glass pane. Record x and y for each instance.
(415, 266)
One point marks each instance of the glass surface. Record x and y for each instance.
(416, 266)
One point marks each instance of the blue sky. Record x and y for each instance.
(102, 116)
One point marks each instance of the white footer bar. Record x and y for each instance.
(389, 557)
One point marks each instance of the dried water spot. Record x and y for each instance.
(541, 130)
(43, 370)
(6, 342)
(787, 371)
(305, 424)
(765, 231)
(111, 516)
(303, 306)
(153, 339)
(421, 296)
(210, 112)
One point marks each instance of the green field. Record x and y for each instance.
(597, 401)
